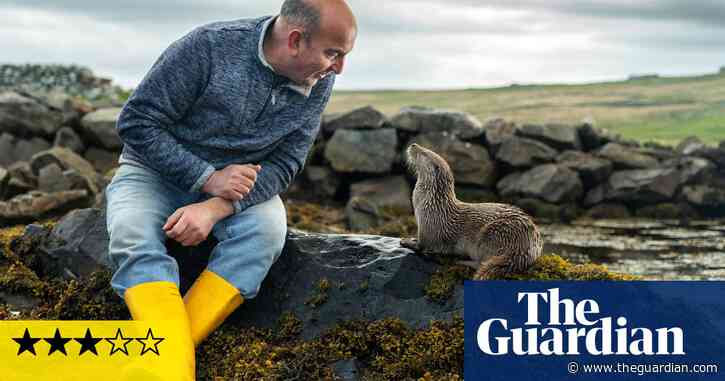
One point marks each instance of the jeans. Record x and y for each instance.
(139, 201)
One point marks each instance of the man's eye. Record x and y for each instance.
(332, 54)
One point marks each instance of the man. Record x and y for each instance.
(219, 126)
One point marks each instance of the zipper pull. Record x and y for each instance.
(274, 98)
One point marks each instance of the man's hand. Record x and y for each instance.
(191, 224)
(233, 182)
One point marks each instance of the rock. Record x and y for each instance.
(549, 182)
(362, 214)
(67, 138)
(102, 160)
(16, 187)
(592, 138)
(547, 211)
(36, 205)
(626, 158)
(364, 118)
(668, 211)
(470, 163)
(704, 196)
(25, 117)
(691, 169)
(322, 181)
(608, 212)
(642, 186)
(689, 145)
(716, 155)
(497, 131)
(367, 151)
(523, 153)
(558, 136)
(51, 179)
(475, 194)
(67, 159)
(13, 149)
(424, 120)
(4, 180)
(391, 192)
(591, 170)
(100, 126)
(21, 170)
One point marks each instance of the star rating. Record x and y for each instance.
(118, 343)
(57, 343)
(26, 343)
(88, 343)
(150, 337)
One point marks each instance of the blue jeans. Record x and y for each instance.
(138, 203)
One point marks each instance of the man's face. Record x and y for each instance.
(321, 54)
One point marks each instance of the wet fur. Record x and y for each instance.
(497, 239)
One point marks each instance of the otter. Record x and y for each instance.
(495, 239)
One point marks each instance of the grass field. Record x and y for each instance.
(664, 109)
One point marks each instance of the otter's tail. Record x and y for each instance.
(516, 243)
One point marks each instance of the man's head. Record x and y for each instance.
(317, 35)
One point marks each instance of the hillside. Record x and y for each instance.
(663, 109)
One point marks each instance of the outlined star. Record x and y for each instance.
(26, 342)
(88, 343)
(144, 341)
(57, 343)
(116, 345)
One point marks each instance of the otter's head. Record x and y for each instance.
(428, 166)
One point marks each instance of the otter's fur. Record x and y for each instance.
(497, 239)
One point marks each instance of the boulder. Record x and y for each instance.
(558, 136)
(591, 170)
(471, 164)
(424, 120)
(319, 278)
(524, 153)
(668, 211)
(67, 159)
(637, 186)
(497, 131)
(322, 181)
(549, 182)
(593, 138)
(67, 138)
(547, 211)
(100, 127)
(608, 212)
(391, 192)
(363, 118)
(367, 151)
(51, 179)
(35, 205)
(475, 194)
(14, 149)
(101, 160)
(689, 145)
(704, 195)
(626, 157)
(24, 116)
(4, 180)
(362, 214)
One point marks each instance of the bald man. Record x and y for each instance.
(219, 126)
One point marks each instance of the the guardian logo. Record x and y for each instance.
(598, 336)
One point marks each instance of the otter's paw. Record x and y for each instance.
(410, 243)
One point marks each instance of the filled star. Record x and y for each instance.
(57, 343)
(119, 343)
(153, 347)
(88, 343)
(26, 343)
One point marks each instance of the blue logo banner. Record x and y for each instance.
(594, 330)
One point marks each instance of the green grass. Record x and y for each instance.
(664, 109)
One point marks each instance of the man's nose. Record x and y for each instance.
(338, 65)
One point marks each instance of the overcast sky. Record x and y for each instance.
(401, 43)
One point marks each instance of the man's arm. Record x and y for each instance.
(287, 160)
(162, 99)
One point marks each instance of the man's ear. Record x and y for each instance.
(294, 41)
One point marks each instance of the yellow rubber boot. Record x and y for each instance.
(161, 301)
(208, 302)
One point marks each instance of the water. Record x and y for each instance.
(653, 249)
